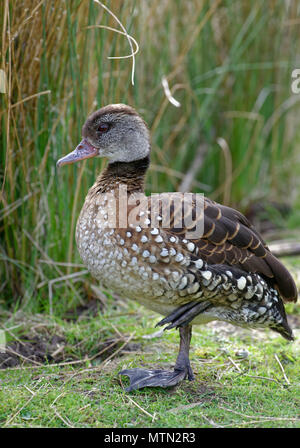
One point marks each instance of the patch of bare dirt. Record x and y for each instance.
(35, 351)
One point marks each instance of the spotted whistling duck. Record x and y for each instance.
(226, 273)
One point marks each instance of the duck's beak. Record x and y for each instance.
(83, 151)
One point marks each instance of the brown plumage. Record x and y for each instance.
(225, 273)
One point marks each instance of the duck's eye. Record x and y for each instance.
(104, 127)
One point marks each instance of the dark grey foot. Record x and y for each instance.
(183, 315)
(140, 378)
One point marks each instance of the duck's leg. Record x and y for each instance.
(183, 359)
(140, 378)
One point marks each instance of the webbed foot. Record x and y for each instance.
(140, 378)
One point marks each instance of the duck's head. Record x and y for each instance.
(115, 131)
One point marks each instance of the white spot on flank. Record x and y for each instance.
(154, 231)
(134, 247)
(128, 234)
(146, 253)
(207, 275)
(144, 239)
(152, 259)
(191, 247)
(179, 257)
(159, 239)
(122, 242)
(138, 228)
(199, 263)
(173, 239)
(155, 276)
(241, 283)
(164, 253)
(183, 283)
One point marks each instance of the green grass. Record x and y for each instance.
(228, 391)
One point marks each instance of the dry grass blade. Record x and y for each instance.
(115, 342)
(59, 280)
(258, 418)
(57, 398)
(45, 92)
(65, 420)
(168, 93)
(120, 348)
(119, 32)
(19, 410)
(60, 263)
(185, 407)
(153, 417)
(13, 206)
(282, 369)
(259, 377)
(126, 34)
(44, 254)
(234, 364)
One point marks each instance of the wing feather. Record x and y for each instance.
(230, 239)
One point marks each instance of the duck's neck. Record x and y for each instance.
(130, 173)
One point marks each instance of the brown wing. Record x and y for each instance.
(230, 239)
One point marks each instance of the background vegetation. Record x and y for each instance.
(227, 62)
